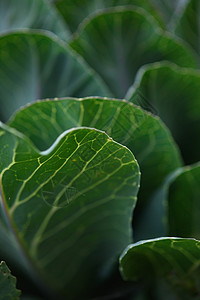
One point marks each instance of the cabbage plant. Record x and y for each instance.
(99, 150)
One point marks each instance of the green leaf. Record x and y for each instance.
(8, 289)
(144, 134)
(174, 93)
(37, 14)
(182, 198)
(141, 132)
(188, 25)
(176, 260)
(118, 41)
(36, 65)
(70, 207)
(75, 11)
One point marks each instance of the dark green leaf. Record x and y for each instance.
(8, 289)
(117, 42)
(175, 94)
(70, 207)
(37, 14)
(36, 65)
(175, 260)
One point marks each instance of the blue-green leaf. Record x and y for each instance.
(37, 14)
(118, 41)
(35, 64)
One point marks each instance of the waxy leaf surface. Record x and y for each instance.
(70, 207)
(144, 134)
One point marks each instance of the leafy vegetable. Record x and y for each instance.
(141, 132)
(76, 219)
(67, 200)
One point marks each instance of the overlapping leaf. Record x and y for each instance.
(37, 14)
(70, 207)
(177, 260)
(75, 12)
(165, 12)
(66, 211)
(118, 41)
(141, 132)
(175, 93)
(36, 65)
(8, 289)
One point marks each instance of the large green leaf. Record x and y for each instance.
(8, 289)
(141, 132)
(36, 65)
(74, 11)
(37, 14)
(177, 260)
(175, 94)
(188, 25)
(69, 207)
(118, 41)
